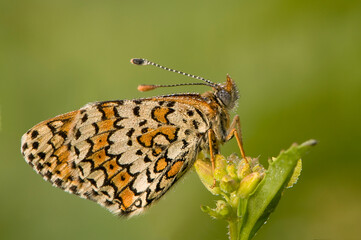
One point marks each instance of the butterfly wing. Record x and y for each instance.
(123, 155)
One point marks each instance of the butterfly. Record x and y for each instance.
(126, 154)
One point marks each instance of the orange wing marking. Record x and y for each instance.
(100, 141)
(161, 165)
(106, 125)
(127, 197)
(111, 167)
(122, 179)
(62, 153)
(159, 114)
(169, 132)
(108, 112)
(174, 169)
(99, 157)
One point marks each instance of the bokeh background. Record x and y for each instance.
(298, 68)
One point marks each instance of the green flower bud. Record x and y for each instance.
(259, 168)
(211, 212)
(232, 171)
(222, 208)
(243, 169)
(219, 173)
(204, 171)
(234, 200)
(221, 211)
(249, 184)
(228, 184)
(220, 161)
(220, 167)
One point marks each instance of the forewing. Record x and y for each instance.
(121, 154)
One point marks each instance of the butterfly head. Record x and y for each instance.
(227, 93)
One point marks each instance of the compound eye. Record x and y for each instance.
(225, 97)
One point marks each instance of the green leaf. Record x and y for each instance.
(268, 193)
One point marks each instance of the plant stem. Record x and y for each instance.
(233, 229)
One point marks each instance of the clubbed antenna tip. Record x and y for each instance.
(144, 88)
(138, 61)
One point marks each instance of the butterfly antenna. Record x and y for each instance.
(146, 87)
(141, 61)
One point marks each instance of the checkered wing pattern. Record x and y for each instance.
(123, 155)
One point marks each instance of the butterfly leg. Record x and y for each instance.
(235, 130)
(210, 141)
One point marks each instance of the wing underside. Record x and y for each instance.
(123, 155)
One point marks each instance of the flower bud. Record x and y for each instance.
(259, 168)
(204, 171)
(249, 184)
(220, 167)
(221, 211)
(232, 171)
(243, 169)
(234, 200)
(220, 161)
(227, 184)
(222, 208)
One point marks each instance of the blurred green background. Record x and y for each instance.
(298, 68)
